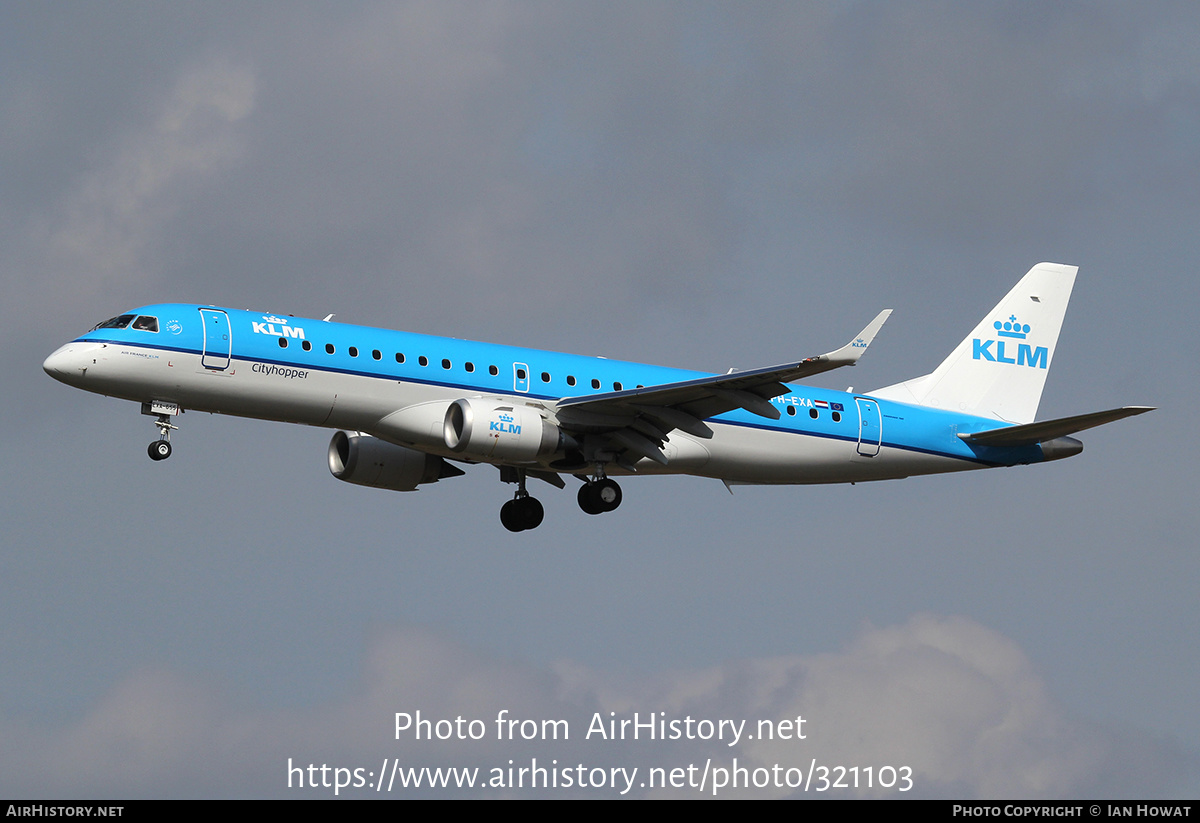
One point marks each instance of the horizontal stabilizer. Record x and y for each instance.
(1030, 433)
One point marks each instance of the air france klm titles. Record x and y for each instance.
(1026, 354)
(689, 728)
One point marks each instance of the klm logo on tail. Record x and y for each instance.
(1027, 355)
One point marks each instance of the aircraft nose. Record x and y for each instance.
(55, 364)
(65, 362)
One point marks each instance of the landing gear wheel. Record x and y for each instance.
(588, 500)
(609, 494)
(159, 450)
(599, 496)
(509, 518)
(531, 512)
(521, 514)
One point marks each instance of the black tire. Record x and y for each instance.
(530, 512)
(589, 501)
(159, 450)
(510, 516)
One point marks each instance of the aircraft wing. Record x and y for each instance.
(639, 420)
(1030, 433)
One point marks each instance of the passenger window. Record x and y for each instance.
(354, 351)
(469, 366)
(399, 357)
(616, 386)
(146, 323)
(520, 374)
(570, 380)
(445, 363)
(423, 360)
(595, 383)
(283, 342)
(837, 417)
(306, 346)
(545, 377)
(812, 413)
(493, 371)
(329, 348)
(791, 410)
(378, 355)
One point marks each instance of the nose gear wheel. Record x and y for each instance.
(160, 449)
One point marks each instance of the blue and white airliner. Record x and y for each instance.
(411, 409)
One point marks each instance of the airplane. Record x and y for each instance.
(410, 409)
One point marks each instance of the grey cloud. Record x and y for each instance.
(958, 703)
(105, 234)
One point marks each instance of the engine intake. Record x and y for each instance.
(491, 430)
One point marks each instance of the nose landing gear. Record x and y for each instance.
(160, 449)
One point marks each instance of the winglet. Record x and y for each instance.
(848, 354)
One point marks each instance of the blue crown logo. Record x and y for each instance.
(506, 418)
(270, 318)
(1011, 328)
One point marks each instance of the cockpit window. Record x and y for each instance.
(119, 322)
(146, 323)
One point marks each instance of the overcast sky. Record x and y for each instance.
(698, 185)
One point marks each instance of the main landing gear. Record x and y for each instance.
(522, 512)
(600, 495)
(597, 495)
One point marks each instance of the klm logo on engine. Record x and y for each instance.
(1026, 355)
(505, 425)
(284, 330)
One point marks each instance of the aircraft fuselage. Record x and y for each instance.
(339, 376)
(411, 408)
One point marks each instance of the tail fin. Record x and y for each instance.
(999, 370)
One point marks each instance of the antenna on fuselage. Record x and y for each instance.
(328, 317)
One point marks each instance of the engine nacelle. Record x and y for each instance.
(369, 461)
(492, 430)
